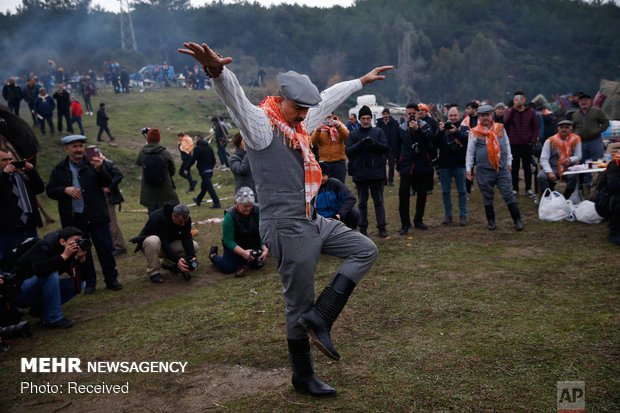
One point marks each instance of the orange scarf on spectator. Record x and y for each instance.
(491, 136)
(465, 121)
(564, 147)
(615, 158)
(298, 139)
(332, 130)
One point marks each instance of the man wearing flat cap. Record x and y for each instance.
(589, 123)
(78, 183)
(488, 144)
(558, 153)
(287, 178)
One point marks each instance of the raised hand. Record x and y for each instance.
(374, 74)
(212, 61)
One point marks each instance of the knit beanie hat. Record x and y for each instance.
(365, 110)
(153, 136)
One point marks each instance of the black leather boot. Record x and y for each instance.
(304, 380)
(516, 215)
(490, 213)
(318, 321)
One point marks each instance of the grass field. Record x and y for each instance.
(457, 319)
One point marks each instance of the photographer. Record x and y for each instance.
(19, 215)
(452, 144)
(168, 235)
(61, 251)
(330, 137)
(415, 167)
(243, 247)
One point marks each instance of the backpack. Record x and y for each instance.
(153, 169)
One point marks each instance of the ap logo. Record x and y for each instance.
(571, 397)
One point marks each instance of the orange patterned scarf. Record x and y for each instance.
(298, 139)
(564, 147)
(615, 158)
(491, 136)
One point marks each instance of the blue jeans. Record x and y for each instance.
(46, 294)
(77, 119)
(445, 176)
(8, 241)
(591, 150)
(223, 155)
(230, 262)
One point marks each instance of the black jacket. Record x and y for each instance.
(392, 132)
(63, 101)
(366, 148)
(115, 196)
(452, 147)
(102, 118)
(203, 156)
(92, 184)
(160, 223)
(45, 257)
(12, 93)
(10, 214)
(416, 151)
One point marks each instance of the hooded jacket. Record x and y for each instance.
(158, 195)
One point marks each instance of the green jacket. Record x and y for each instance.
(155, 197)
(590, 126)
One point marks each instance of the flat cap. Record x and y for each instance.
(498, 105)
(244, 195)
(485, 109)
(565, 122)
(73, 138)
(299, 88)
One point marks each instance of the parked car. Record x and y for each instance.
(146, 73)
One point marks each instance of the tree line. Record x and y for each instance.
(443, 50)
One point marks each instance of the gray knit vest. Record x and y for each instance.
(278, 172)
(482, 157)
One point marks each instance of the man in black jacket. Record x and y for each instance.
(19, 215)
(204, 157)
(414, 166)
(12, 93)
(392, 133)
(102, 122)
(366, 150)
(63, 106)
(77, 184)
(168, 235)
(44, 292)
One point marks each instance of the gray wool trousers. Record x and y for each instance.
(297, 244)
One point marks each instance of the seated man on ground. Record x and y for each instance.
(558, 153)
(168, 235)
(243, 247)
(335, 200)
(61, 251)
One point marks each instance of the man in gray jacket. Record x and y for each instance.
(287, 179)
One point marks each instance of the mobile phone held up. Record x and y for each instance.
(92, 152)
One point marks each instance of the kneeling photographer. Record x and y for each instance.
(61, 251)
(243, 247)
(168, 235)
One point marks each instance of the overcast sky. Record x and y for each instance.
(114, 5)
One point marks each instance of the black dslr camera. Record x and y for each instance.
(192, 264)
(145, 131)
(256, 254)
(84, 243)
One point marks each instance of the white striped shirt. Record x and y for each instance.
(253, 121)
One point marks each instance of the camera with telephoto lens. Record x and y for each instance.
(448, 125)
(145, 131)
(83, 243)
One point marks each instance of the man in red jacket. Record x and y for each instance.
(76, 113)
(521, 123)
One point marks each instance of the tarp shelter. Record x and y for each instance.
(611, 106)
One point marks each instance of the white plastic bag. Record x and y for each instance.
(586, 213)
(553, 207)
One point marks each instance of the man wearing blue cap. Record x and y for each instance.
(77, 184)
(287, 178)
